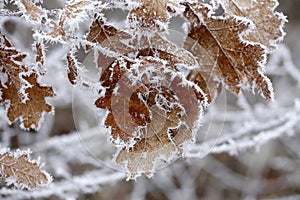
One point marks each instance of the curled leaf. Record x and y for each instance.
(121, 43)
(153, 111)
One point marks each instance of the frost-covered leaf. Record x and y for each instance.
(31, 11)
(222, 53)
(11, 63)
(31, 111)
(175, 55)
(153, 111)
(22, 92)
(107, 36)
(72, 68)
(268, 23)
(150, 15)
(40, 58)
(16, 168)
(203, 78)
(40, 54)
(120, 42)
(73, 11)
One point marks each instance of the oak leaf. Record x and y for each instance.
(122, 43)
(268, 23)
(222, 53)
(153, 111)
(72, 68)
(30, 112)
(107, 36)
(22, 91)
(16, 168)
(32, 11)
(150, 15)
(73, 9)
(40, 57)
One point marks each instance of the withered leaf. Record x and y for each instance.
(107, 36)
(22, 91)
(122, 43)
(72, 10)
(153, 111)
(18, 169)
(32, 11)
(40, 54)
(72, 68)
(40, 67)
(29, 112)
(150, 15)
(11, 62)
(268, 28)
(222, 55)
(170, 52)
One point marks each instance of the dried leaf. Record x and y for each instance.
(24, 95)
(17, 169)
(166, 50)
(11, 63)
(40, 54)
(204, 79)
(30, 112)
(150, 15)
(73, 10)
(107, 36)
(32, 11)
(57, 30)
(222, 55)
(73, 68)
(122, 43)
(268, 28)
(153, 111)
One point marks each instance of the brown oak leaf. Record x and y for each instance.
(17, 169)
(22, 91)
(72, 68)
(222, 55)
(150, 15)
(268, 23)
(30, 112)
(153, 111)
(122, 43)
(107, 36)
(32, 11)
(72, 10)
(40, 54)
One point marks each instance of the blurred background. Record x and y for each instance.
(256, 155)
